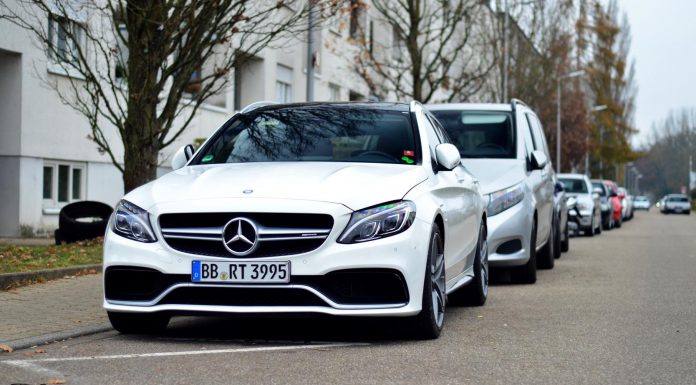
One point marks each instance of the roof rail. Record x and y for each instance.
(255, 105)
(514, 101)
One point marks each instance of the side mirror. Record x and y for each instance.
(182, 156)
(558, 187)
(622, 196)
(447, 156)
(539, 160)
(597, 190)
(595, 195)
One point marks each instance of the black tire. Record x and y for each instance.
(565, 244)
(557, 241)
(429, 322)
(139, 323)
(476, 292)
(73, 229)
(527, 273)
(599, 226)
(58, 237)
(546, 259)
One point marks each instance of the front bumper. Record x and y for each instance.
(509, 236)
(402, 255)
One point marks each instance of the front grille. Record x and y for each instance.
(278, 234)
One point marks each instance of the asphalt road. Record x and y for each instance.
(617, 309)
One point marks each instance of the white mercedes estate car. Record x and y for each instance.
(344, 209)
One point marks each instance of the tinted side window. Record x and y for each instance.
(433, 137)
(538, 132)
(529, 143)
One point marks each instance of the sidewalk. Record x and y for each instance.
(50, 311)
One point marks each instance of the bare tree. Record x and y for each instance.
(144, 67)
(435, 50)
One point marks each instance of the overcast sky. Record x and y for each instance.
(664, 46)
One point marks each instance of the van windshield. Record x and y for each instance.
(480, 134)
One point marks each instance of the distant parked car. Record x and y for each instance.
(588, 211)
(562, 238)
(504, 146)
(676, 203)
(626, 204)
(641, 202)
(616, 202)
(605, 203)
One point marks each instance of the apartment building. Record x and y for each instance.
(48, 161)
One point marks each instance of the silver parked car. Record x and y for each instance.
(676, 203)
(503, 145)
(587, 213)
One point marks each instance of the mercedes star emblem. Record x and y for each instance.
(240, 236)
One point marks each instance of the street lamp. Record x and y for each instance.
(573, 74)
(599, 108)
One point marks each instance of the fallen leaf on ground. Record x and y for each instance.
(55, 381)
(5, 348)
(39, 350)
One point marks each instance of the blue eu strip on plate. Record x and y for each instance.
(196, 271)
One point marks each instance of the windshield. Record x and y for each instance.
(600, 186)
(319, 133)
(480, 134)
(574, 185)
(682, 199)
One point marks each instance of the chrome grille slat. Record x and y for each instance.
(201, 233)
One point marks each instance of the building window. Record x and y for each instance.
(283, 84)
(334, 93)
(66, 39)
(48, 182)
(62, 183)
(357, 19)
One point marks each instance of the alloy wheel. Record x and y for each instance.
(437, 276)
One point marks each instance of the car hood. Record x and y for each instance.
(354, 185)
(496, 174)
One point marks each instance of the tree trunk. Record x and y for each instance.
(141, 145)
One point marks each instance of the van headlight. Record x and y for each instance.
(132, 222)
(502, 200)
(379, 222)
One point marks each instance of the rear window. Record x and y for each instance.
(480, 134)
(574, 185)
(682, 199)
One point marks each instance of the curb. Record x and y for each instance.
(9, 280)
(28, 342)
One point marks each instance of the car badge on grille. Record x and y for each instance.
(248, 191)
(240, 236)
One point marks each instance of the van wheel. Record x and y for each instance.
(546, 258)
(565, 244)
(527, 273)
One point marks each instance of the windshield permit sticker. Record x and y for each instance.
(407, 159)
(409, 153)
(207, 158)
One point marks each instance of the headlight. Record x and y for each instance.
(379, 222)
(582, 206)
(132, 222)
(502, 200)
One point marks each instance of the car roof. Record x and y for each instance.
(571, 176)
(470, 107)
(401, 107)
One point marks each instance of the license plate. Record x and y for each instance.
(677, 209)
(240, 272)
